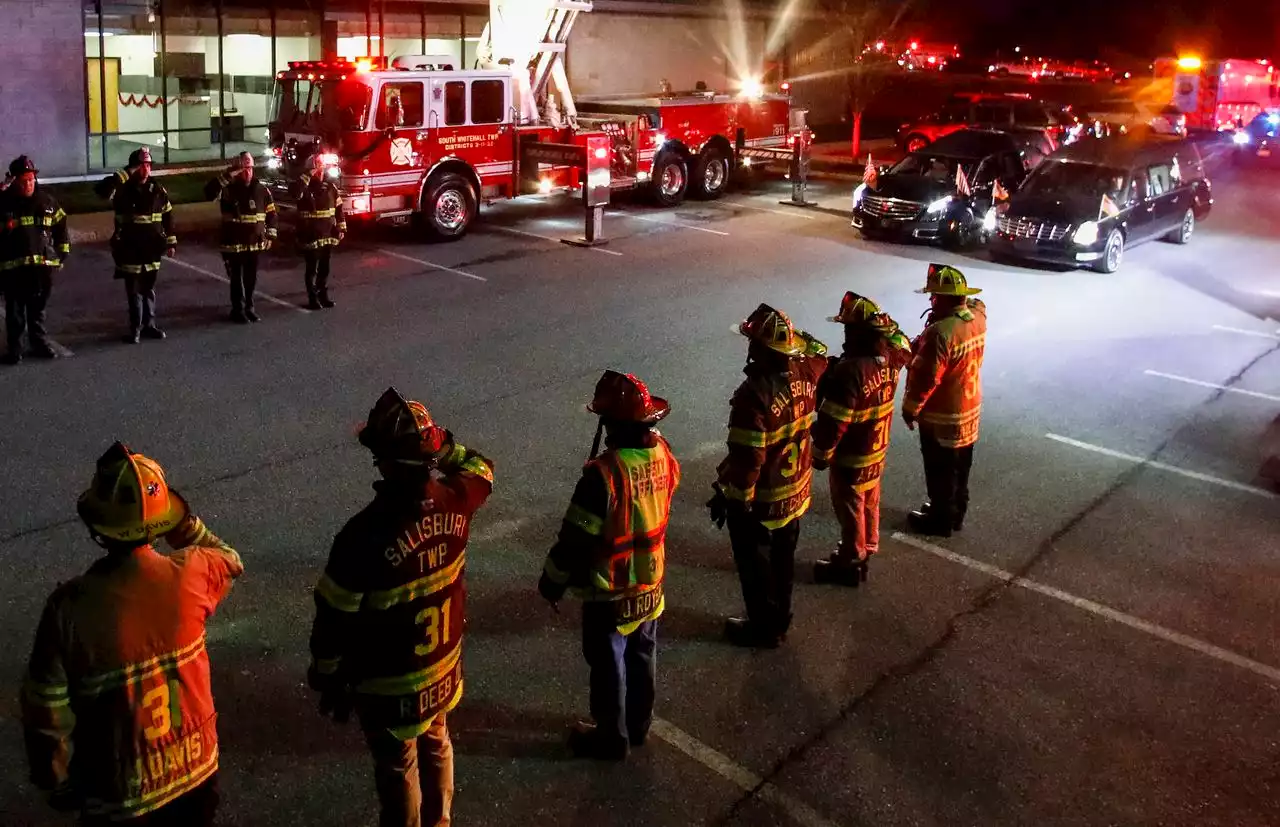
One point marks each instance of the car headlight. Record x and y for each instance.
(273, 163)
(1240, 138)
(858, 192)
(989, 220)
(1086, 233)
(939, 205)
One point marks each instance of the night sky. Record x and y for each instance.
(1107, 29)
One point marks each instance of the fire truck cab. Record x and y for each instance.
(420, 137)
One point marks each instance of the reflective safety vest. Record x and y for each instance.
(770, 461)
(389, 606)
(320, 217)
(855, 416)
(33, 231)
(944, 381)
(117, 701)
(627, 561)
(144, 222)
(248, 213)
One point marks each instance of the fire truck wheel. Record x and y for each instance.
(710, 175)
(448, 206)
(670, 179)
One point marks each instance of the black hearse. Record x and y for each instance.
(1090, 201)
(917, 197)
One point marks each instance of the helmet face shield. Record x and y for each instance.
(402, 430)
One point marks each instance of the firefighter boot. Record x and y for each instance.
(740, 631)
(838, 570)
(586, 741)
(325, 301)
(313, 302)
(925, 510)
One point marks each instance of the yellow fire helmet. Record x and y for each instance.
(129, 499)
(945, 280)
(772, 329)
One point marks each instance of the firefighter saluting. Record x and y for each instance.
(612, 553)
(248, 228)
(116, 704)
(389, 608)
(321, 226)
(143, 236)
(763, 486)
(944, 395)
(851, 436)
(33, 246)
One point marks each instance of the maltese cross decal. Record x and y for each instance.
(402, 152)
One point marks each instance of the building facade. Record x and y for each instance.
(83, 84)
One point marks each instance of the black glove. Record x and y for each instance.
(336, 698)
(550, 590)
(718, 505)
(820, 464)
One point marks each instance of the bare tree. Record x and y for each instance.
(856, 27)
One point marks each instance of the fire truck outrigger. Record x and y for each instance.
(423, 137)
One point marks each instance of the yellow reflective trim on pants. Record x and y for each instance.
(158, 798)
(590, 523)
(256, 218)
(153, 218)
(318, 214)
(735, 493)
(339, 598)
(410, 731)
(413, 682)
(326, 666)
(135, 269)
(554, 573)
(421, 587)
(31, 261)
(135, 672)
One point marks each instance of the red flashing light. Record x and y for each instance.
(914, 45)
(786, 87)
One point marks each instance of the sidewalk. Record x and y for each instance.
(89, 228)
(836, 156)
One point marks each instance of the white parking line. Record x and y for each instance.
(1266, 671)
(514, 231)
(1261, 334)
(430, 264)
(669, 223)
(796, 213)
(746, 780)
(1173, 469)
(1241, 391)
(195, 268)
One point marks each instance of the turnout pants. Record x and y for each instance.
(858, 512)
(193, 809)
(407, 799)
(623, 674)
(766, 560)
(317, 270)
(242, 270)
(140, 290)
(26, 294)
(946, 474)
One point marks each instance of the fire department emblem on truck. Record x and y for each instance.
(402, 152)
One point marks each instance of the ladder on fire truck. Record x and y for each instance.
(529, 38)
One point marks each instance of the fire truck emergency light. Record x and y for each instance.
(1189, 63)
(752, 88)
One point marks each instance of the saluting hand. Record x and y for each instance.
(171, 252)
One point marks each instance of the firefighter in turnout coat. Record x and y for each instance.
(116, 704)
(33, 246)
(944, 395)
(143, 236)
(851, 437)
(321, 226)
(387, 637)
(764, 482)
(248, 228)
(612, 553)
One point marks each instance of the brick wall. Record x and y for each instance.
(42, 85)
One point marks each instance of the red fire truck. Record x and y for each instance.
(422, 137)
(1218, 94)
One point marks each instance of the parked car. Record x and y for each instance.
(1091, 201)
(917, 197)
(983, 111)
(1256, 142)
(1122, 113)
